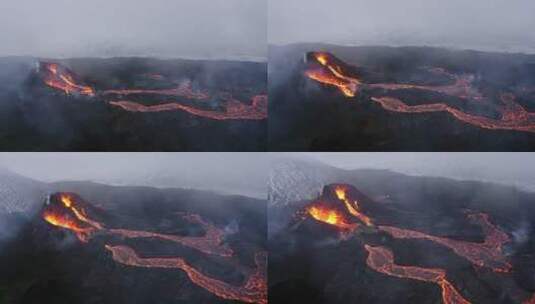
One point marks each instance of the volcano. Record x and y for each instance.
(138, 245)
(332, 98)
(119, 104)
(344, 246)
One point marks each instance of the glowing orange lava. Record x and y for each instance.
(352, 207)
(331, 73)
(323, 213)
(66, 211)
(513, 115)
(61, 78)
(487, 254)
(254, 289)
(381, 260)
(69, 216)
(183, 90)
(210, 243)
(234, 109)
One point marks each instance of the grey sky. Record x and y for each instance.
(231, 173)
(105, 28)
(507, 168)
(497, 25)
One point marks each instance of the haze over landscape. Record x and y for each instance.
(483, 25)
(229, 173)
(200, 29)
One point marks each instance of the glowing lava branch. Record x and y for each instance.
(331, 73)
(352, 206)
(514, 116)
(381, 260)
(461, 88)
(254, 289)
(210, 243)
(487, 254)
(61, 78)
(234, 109)
(183, 90)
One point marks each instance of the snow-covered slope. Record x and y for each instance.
(19, 194)
(292, 180)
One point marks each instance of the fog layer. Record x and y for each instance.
(228, 173)
(494, 25)
(110, 28)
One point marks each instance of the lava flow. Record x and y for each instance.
(381, 259)
(352, 207)
(234, 109)
(67, 211)
(183, 90)
(487, 254)
(331, 73)
(210, 243)
(61, 78)
(512, 115)
(254, 290)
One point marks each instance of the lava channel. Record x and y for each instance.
(234, 109)
(254, 289)
(488, 254)
(211, 243)
(183, 90)
(381, 260)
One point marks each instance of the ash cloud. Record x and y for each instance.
(213, 29)
(488, 25)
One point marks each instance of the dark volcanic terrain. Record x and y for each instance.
(132, 104)
(92, 243)
(334, 98)
(384, 237)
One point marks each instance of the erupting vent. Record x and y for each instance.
(69, 211)
(61, 78)
(337, 206)
(325, 68)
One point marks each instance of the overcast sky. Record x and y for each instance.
(500, 25)
(508, 168)
(247, 173)
(231, 173)
(105, 28)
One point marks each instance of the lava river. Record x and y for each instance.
(69, 211)
(61, 78)
(337, 204)
(326, 69)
